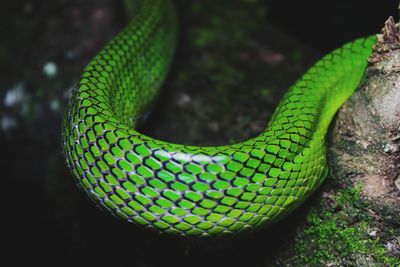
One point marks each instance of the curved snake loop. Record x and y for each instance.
(193, 190)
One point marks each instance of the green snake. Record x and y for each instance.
(193, 190)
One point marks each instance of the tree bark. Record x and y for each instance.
(366, 135)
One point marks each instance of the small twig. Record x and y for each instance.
(387, 40)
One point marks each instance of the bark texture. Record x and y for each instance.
(366, 136)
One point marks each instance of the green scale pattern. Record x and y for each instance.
(192, 190)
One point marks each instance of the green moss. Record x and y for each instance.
(203, 37)
(339, 235)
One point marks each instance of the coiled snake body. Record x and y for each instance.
(193, 190)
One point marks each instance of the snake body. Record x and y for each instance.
(192, 190)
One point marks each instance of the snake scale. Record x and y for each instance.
(193, 190)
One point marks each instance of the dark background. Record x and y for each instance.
(326, 25)
(47, 224)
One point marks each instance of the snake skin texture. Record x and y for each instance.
(190, 190)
